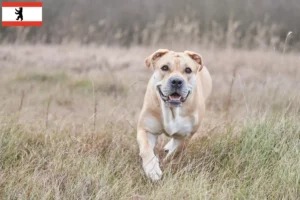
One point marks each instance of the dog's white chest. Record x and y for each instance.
(179, 126)
(174, 123)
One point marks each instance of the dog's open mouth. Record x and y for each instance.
(174, 98)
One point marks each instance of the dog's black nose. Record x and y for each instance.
(176, 82)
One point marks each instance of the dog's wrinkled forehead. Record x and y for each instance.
(174, 60)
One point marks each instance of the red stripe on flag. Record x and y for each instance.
(22, 4)
(18, 23)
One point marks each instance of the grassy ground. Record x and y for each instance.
(68, 116)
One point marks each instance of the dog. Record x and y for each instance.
(174, 104)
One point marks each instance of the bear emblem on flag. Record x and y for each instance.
(19, 13)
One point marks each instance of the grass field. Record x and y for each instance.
(68, 126)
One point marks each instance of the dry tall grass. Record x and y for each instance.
(241, 23)
(57, 142)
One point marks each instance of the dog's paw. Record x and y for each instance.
(152, 169)
(168, 146)
(171, 146)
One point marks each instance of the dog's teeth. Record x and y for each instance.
(175, 97)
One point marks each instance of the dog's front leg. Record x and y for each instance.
(173, 146)
(147, 143)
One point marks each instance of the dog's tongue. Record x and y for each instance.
(175, 97)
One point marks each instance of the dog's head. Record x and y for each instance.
(175, 74)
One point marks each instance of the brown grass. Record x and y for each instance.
(89, 151)
(230, 23)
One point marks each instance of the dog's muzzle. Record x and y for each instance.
(174, 99)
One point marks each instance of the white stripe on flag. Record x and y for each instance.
(29, 14)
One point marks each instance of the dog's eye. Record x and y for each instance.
(188, 70)
(165, 68)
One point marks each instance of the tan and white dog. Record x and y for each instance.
(174, 104)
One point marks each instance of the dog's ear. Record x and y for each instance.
(157, 54)
(196, 57)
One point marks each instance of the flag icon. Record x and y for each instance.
(22, 14)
